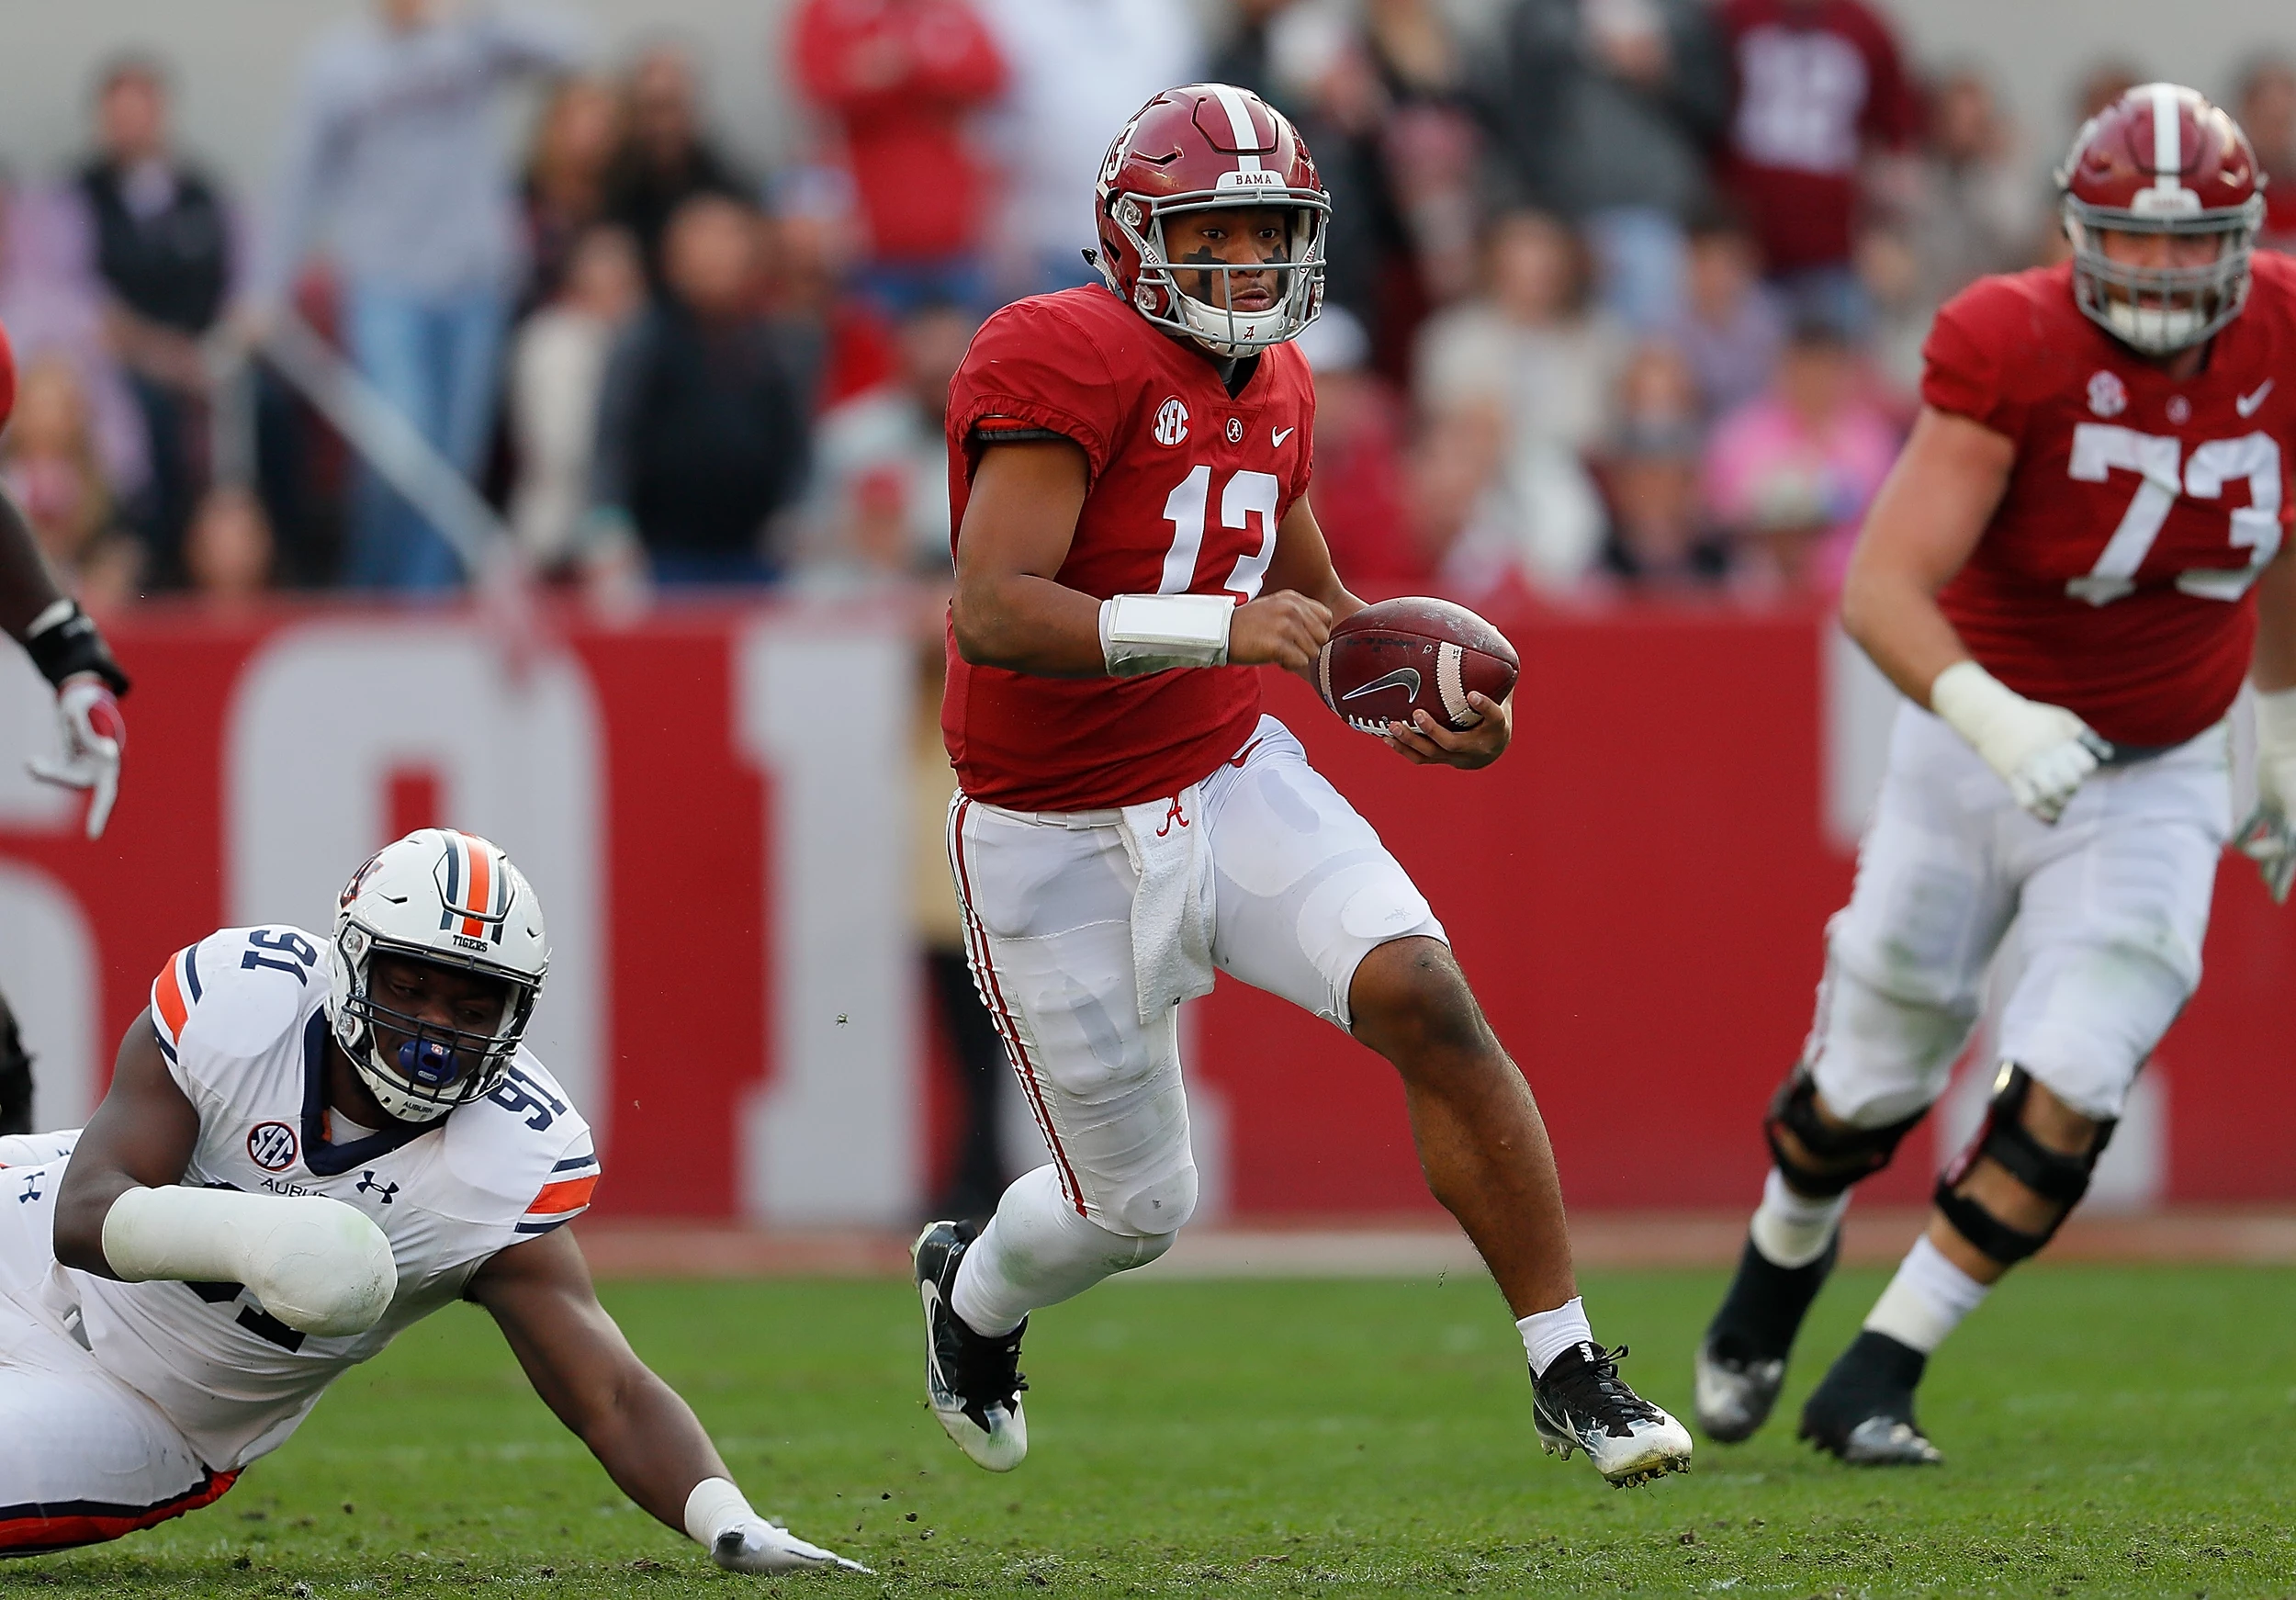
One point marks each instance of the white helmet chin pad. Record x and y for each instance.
(448, 900)
(2155, 327)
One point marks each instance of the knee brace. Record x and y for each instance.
(1850, 1155)
(2004, 1140)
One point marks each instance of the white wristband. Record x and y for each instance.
(712, 1507)
(1148, 633)
(316, 1264)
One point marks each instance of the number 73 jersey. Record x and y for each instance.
(240, 1020)
(2116, 577)
(1187, 488)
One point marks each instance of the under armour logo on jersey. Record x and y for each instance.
(1171, 816)
(31, 1191)
(1171, 421)
(367, 1185)
(2108, 396)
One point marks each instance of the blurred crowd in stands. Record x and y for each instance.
(1623, 294)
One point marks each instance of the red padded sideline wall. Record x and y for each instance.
(1637, 891)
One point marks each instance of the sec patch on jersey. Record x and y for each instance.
(1414, 654)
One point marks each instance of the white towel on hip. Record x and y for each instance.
(1171, 909)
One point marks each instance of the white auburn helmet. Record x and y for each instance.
(455, 900)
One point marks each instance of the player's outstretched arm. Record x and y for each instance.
(26, 588)
(1012, 610)
(1924, 525)
(649, 1439)
(123, 1213)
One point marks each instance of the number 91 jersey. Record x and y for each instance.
(2114, 578)
(1186, 489)
(240, 1020)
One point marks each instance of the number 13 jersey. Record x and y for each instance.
(1186, 489)
(240, 1020)
(2116, 576)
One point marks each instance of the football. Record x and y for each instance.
(1415, 654)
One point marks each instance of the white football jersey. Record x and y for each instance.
(240, 1020)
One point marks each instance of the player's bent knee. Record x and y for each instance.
(1820, 1156)
(1157, 1210)
(2055, 1177)
(1409, 998)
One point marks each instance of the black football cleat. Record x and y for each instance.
(1740, 1364)
(1863, 1409)
(1580, 1402)
(972, 1380)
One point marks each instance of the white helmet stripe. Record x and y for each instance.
(2167, 137)
(1246, 137)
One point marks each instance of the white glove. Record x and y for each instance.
(315, 1263)
(2043, 752)
(95, 735)
(740, 1540)
(2267, 838)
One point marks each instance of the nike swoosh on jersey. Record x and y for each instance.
(1283, 434)
(1404, 678)
(2247, 403)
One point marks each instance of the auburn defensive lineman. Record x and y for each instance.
(308, 1147)
(65, 644)
(2074, 564)
(1128, 472)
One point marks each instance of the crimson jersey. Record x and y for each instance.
(2114, 578)
(1186, 489)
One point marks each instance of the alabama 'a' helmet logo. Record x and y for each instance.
(1171, 421)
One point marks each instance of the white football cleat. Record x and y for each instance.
(1583, 1404)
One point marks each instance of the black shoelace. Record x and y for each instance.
(988, 1370)
(1592, 1387)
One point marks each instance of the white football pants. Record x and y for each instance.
(83, 1457)
(1298, 892)
(2111, 905)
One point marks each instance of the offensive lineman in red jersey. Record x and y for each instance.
(2072, 565)
(1128, 475)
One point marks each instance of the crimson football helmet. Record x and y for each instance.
(2162, 160)
(1204, 147)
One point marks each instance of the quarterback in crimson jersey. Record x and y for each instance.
(2075, 565)
(1128, 465)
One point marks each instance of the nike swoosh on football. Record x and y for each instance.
(1283, 434)
(1404, 678)
(2247, 403)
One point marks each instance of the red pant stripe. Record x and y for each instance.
(976, 937)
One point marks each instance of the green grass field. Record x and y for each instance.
(2107, 1432)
